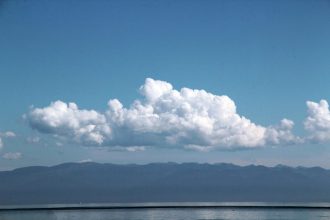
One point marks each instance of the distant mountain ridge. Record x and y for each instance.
(163, 182)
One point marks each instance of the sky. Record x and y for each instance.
(244, 82)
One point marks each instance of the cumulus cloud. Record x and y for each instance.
(164, 117)
(12, 155)
(317, 122)
(83, 126)
(282, 133)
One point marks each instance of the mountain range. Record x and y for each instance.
(162, 182)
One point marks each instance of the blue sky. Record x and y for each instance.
(269, 57)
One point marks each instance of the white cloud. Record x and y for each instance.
(12, 155)
(7, 134)
(317, 122)
(82, 126)
(59, 144)
(198, 148)
(85, 161)
(135, 148)
(165, 117)
(33, 140)
(282, 133)
(123, 148)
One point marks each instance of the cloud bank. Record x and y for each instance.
(166, 117)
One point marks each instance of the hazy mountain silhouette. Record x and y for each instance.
(163, 182)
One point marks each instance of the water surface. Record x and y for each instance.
(170, 214)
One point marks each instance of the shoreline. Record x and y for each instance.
(165, 205)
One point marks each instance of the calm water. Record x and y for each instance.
(171, 214)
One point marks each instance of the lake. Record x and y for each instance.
(179, 213)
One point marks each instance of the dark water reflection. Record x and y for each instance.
(170, 214)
